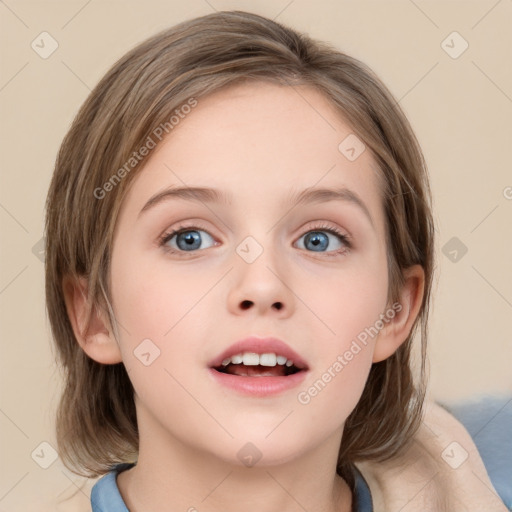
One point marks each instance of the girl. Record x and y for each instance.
(239, 252)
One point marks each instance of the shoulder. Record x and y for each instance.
(440, 471)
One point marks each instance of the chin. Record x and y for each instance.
(256, 452)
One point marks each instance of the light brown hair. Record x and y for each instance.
(96, 422)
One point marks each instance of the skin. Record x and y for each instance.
(258, 142)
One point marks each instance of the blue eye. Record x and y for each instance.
(318, 240)
(188, 239)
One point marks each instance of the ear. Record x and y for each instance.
(98, 342)
(398, 328)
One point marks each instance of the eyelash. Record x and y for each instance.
(345, 239)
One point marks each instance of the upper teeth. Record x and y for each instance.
(253, 359)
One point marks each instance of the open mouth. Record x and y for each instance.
(256, 365)
(258, 371)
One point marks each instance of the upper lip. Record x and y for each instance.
(260, 346)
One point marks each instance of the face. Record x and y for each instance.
(313, 274)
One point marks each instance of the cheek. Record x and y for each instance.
(153, 299)
(163, 313)
(163, 319)
(349, 307)
(349, 301)
(342, 366)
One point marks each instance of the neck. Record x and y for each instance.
(265, 491)
(170, 475)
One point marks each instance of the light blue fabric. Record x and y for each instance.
(105, 495)
(363, 495)
(488, 421)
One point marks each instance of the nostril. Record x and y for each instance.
(246, 304)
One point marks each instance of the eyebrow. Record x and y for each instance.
(212, 195)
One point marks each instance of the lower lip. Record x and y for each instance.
(258, 386)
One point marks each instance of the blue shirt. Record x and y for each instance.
(105, 495)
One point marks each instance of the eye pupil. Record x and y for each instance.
(318, 239)
(190, 237)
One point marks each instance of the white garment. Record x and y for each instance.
(434, 474)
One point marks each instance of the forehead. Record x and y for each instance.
(260, 140)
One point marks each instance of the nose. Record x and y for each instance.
(262, 286)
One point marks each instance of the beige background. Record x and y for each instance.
(459, 107)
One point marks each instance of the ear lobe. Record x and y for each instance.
(95, 339)
(399, 327)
